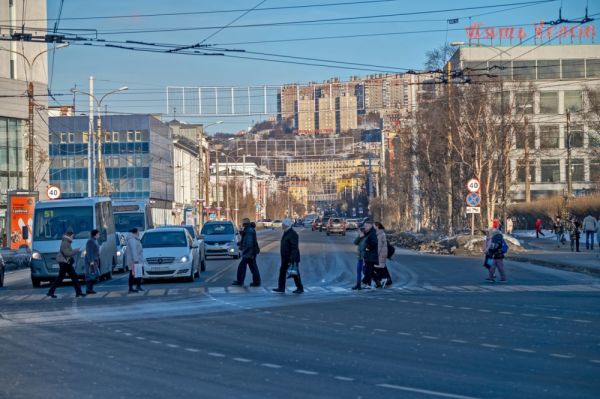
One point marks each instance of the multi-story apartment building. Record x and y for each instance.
(326, 114)
(22, 63)
(330, 169)
(549, 85)
(305, 115)
(137, 154)
(346, 112)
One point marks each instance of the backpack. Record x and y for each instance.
(504, 248)
(390, 251)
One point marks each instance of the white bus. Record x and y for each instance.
(130, 214)
(53, 218)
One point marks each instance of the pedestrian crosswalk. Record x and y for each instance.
(330, 289)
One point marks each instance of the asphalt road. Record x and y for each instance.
(439, 332)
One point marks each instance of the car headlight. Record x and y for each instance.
(36, 255)
(183, 259)
(118, 253)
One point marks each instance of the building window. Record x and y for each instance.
(524, 70)
(521, 170)
(577, 174)
(71, 137)
(130, 137)
(549, 137)
(63, 138)
(520, 137)
(550, 170)
(593, 139)
(595, 171)
(107, 137)
(115, 137)
(576, 133)
(502, 69)
(593, 68)
(548, 69)
(524, 102)
(573, 69)
(573, 101)
(85, 137)
(501, 103)
(138, 136)
(549, 102)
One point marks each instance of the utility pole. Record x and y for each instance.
(383, 176)
(527, 172)
(201, 197)
(505, 159)
(228, 210)
(449, 150)
(218, 189)
(414, 141)
(99, 161)
(568, 143)
(30, 150)
(90, 154)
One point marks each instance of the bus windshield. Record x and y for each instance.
(53, 223)
(126, 221)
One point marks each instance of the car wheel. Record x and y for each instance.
(190, 278)
(203, 265)
(36, 282)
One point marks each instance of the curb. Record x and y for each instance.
(557, 265)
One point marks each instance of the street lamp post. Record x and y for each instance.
(30, 96)
(100, 188)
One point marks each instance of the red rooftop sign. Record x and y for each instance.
(477, 31)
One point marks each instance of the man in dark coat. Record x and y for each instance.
(92, 261)
(249, 247)
(371, 253)
(290, 254)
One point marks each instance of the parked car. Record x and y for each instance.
(317, 224)
(336, 226)
(309, 219)
(276, 224)
(170, 253)
(352, 224)
(267, 223)
(120, 264)
(2, 271)
(196, 238)
(19, 258)
(220, 239)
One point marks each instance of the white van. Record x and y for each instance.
(53, 218)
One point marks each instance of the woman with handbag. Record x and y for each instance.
(134, 255)
(290, 258)
(92, 261)
(66, 261)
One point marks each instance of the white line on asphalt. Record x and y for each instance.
(485, 310)
(562, 356)
(523, 350)
(271, 365)
(173, 346)
(341, 378)
(582, 321)
(459, 341)
(156, 342)
(404, 333)
(448, 306)
(424, 391)
(356, 326)
(305, 372)
(141, 338)
(528, 315)
(215, 354)
(465, 308)
(380, 330)
(242, 360)
(595, 361)
(490, 345)
(128, 334)
(192, 350)
(429, 337)
(506, 312)
(554, 317)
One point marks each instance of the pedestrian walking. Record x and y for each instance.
(559, 231)
(538, 228)
(487, 261)
(290, 255)
(250, 249)
(590, 225)
(381, 272)
(360, 243)
(496, 251)
(574, 234)
(92, 261)
(371, 253)
(509, 226)
(134, 255)
(66, 260)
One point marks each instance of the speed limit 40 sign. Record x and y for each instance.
(53, 192)
(473, 185)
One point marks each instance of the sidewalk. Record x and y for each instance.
(544, 251)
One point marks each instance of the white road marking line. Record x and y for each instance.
(465, 308)
(271, 365)
(242, 360)
(595, 361)
(424, 391)
(404, 333)
(582, 321)
(339, 324)
(554, 317)
(173, 346)
(358, 326)
(523, 350)
(156, 342)
(429, 337)
(192, 350)
(528, 315)
(380, 330)
(490, 345)
(215, 354)
(431, 304)
(485, 310)
(459, 341)
(128, 334)
(448, 306)
(341, 378)
(561, 356)
(305, 372)
(117, 331)
(141, 338)
(506, 312)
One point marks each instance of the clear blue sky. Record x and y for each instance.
(147, 74)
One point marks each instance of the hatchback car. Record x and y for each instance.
(276, 224)
(169, 253)
(352, 224)
(220, 239)
(336, 226)
(196, 238)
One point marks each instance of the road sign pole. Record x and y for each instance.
(472, 224)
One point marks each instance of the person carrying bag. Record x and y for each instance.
(92, 261)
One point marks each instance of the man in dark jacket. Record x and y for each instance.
(371, 253)
(92, 261)
(249, 247)
(290, 254)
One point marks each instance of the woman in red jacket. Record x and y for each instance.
(538, 228)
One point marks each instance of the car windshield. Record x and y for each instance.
(53, 223)
(128, 220)
(217, 229)
(164, 239)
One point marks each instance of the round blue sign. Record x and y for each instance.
(473, 199)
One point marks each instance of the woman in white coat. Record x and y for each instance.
(382, 274)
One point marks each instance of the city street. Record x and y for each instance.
(439, 332)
